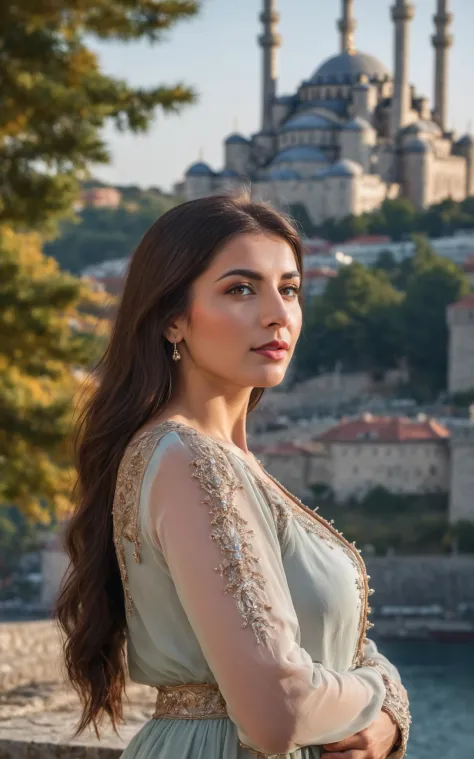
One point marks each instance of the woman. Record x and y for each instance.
(245, 610)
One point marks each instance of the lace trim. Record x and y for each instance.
(126, 503)
(397, 705)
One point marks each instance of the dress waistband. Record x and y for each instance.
(190, 701)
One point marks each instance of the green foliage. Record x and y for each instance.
(371, 320)
(399, 219)
(104, 234)
(344, 324)
(395, 218)
(48, 334)
(56, 100)
(435, 282)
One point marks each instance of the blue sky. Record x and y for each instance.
(218, 55)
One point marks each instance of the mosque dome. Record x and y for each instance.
(357, 125)
(348, 68)
(417, 145)
(236, 139)
(300, 154)
(308, 121)
(466, 140)
(344, 168)
(199, 169)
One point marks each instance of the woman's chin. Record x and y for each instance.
(271, 376)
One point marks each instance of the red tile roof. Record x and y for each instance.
(385, 430)
(466, 302)
(322, 273)
(288, 448)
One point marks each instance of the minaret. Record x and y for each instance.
(269, 42)
(347, 25)
(442, 41)
(402, 13)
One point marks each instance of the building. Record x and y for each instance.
(458, 248)
(461, 501)
(398, 454)
(460, 317)
(352, 135)
(298, 464)
(101, 197)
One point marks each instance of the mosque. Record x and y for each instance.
(352, 135)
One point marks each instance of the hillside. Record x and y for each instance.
(105, 233)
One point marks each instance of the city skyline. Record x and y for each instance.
(228, 76)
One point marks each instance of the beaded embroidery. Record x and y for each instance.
(192, 701)
(230, 532)
(126, 502)
(396, 704)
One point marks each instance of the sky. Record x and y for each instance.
(218, 55)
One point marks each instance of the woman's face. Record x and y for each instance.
(247, 298)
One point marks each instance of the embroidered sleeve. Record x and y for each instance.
(396, 701)
(224, 558)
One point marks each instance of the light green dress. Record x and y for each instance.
(230, 581)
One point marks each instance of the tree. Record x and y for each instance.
(434, 284)
(55, 99)
(395, 218)
(354, 322)
(49, 334)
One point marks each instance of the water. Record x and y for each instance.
(439, 678)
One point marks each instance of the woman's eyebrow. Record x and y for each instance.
(250, 274)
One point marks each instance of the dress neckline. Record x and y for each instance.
(273, 484)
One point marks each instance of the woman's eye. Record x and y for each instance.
(294, 290)
(237, 289)
(240, 290)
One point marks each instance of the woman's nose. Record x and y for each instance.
(275, 310)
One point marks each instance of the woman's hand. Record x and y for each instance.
(375, 742)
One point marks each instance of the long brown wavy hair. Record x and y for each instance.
(133, 383)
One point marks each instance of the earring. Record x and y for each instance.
(176, 356)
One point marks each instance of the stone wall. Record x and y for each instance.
(39, 711)
(29, 653)
(421, 580)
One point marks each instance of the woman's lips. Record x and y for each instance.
(275, 354)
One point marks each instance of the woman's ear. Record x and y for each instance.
(172, 333)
